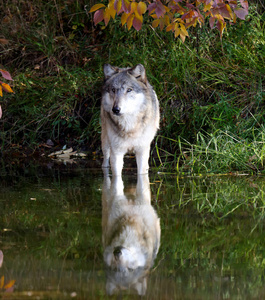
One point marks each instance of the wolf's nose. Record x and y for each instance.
(116, 110)
(117, 252)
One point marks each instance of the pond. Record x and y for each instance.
(69, 232)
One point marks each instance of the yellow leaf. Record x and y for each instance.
(169, 27)
(9, 284)
(112, 12)
(177, 30)
(1, 91)
(124, 18)
(229, 10)
(130, 21)
(2, 280)
(119, 6)
(183, 30)
(141, 8)
(106, 16)
(133, 7)
(155, 23)
(183, 37)
(207, 7)
(96, 7)
(6, 87)
(167, 20)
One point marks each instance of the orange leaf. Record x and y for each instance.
(9, 284)
(169, 27)
(1, 91)
(2, 281)
(6, 87)
(96, 7)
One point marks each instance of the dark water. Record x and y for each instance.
(59, 224)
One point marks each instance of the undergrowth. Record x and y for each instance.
(209, 89)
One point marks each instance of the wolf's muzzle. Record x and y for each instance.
(116, 110)
(117, 252)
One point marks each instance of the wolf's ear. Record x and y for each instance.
(109, 71)
(139, 73)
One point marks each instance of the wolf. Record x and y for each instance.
(129, 117)
(130, 234)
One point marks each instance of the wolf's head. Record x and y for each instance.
(124, 89)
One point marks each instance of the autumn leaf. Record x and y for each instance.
(126, 6)
(221, 26)
(106, 16)
(141, 8)
(241, 13)
(1, 91)
(124, 18)
(117, 6)
(96, 7)
(130, 21)
(6, 74)
(137, 22)
(160, 9)
(9, 284)
(155, 23)
(98, 16)
(6, 87)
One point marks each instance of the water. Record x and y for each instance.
(185, 237)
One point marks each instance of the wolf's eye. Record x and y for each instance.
(113, 90)
(129, 90)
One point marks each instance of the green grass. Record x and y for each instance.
(206, 85)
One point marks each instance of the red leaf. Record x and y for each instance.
(6, 74)
(244, 4)
(137, 24)
(151, 7)
(98, 16)
(160, 9)
(212, 21)
(241, 13)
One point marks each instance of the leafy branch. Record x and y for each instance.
(172, 15)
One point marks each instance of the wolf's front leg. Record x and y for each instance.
(116, 161)
(142, 157)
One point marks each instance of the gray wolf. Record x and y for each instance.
(129, 117)
(130, 234)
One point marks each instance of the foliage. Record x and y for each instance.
(172, 15)
(4, 86)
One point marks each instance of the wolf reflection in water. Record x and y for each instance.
(131, 234)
